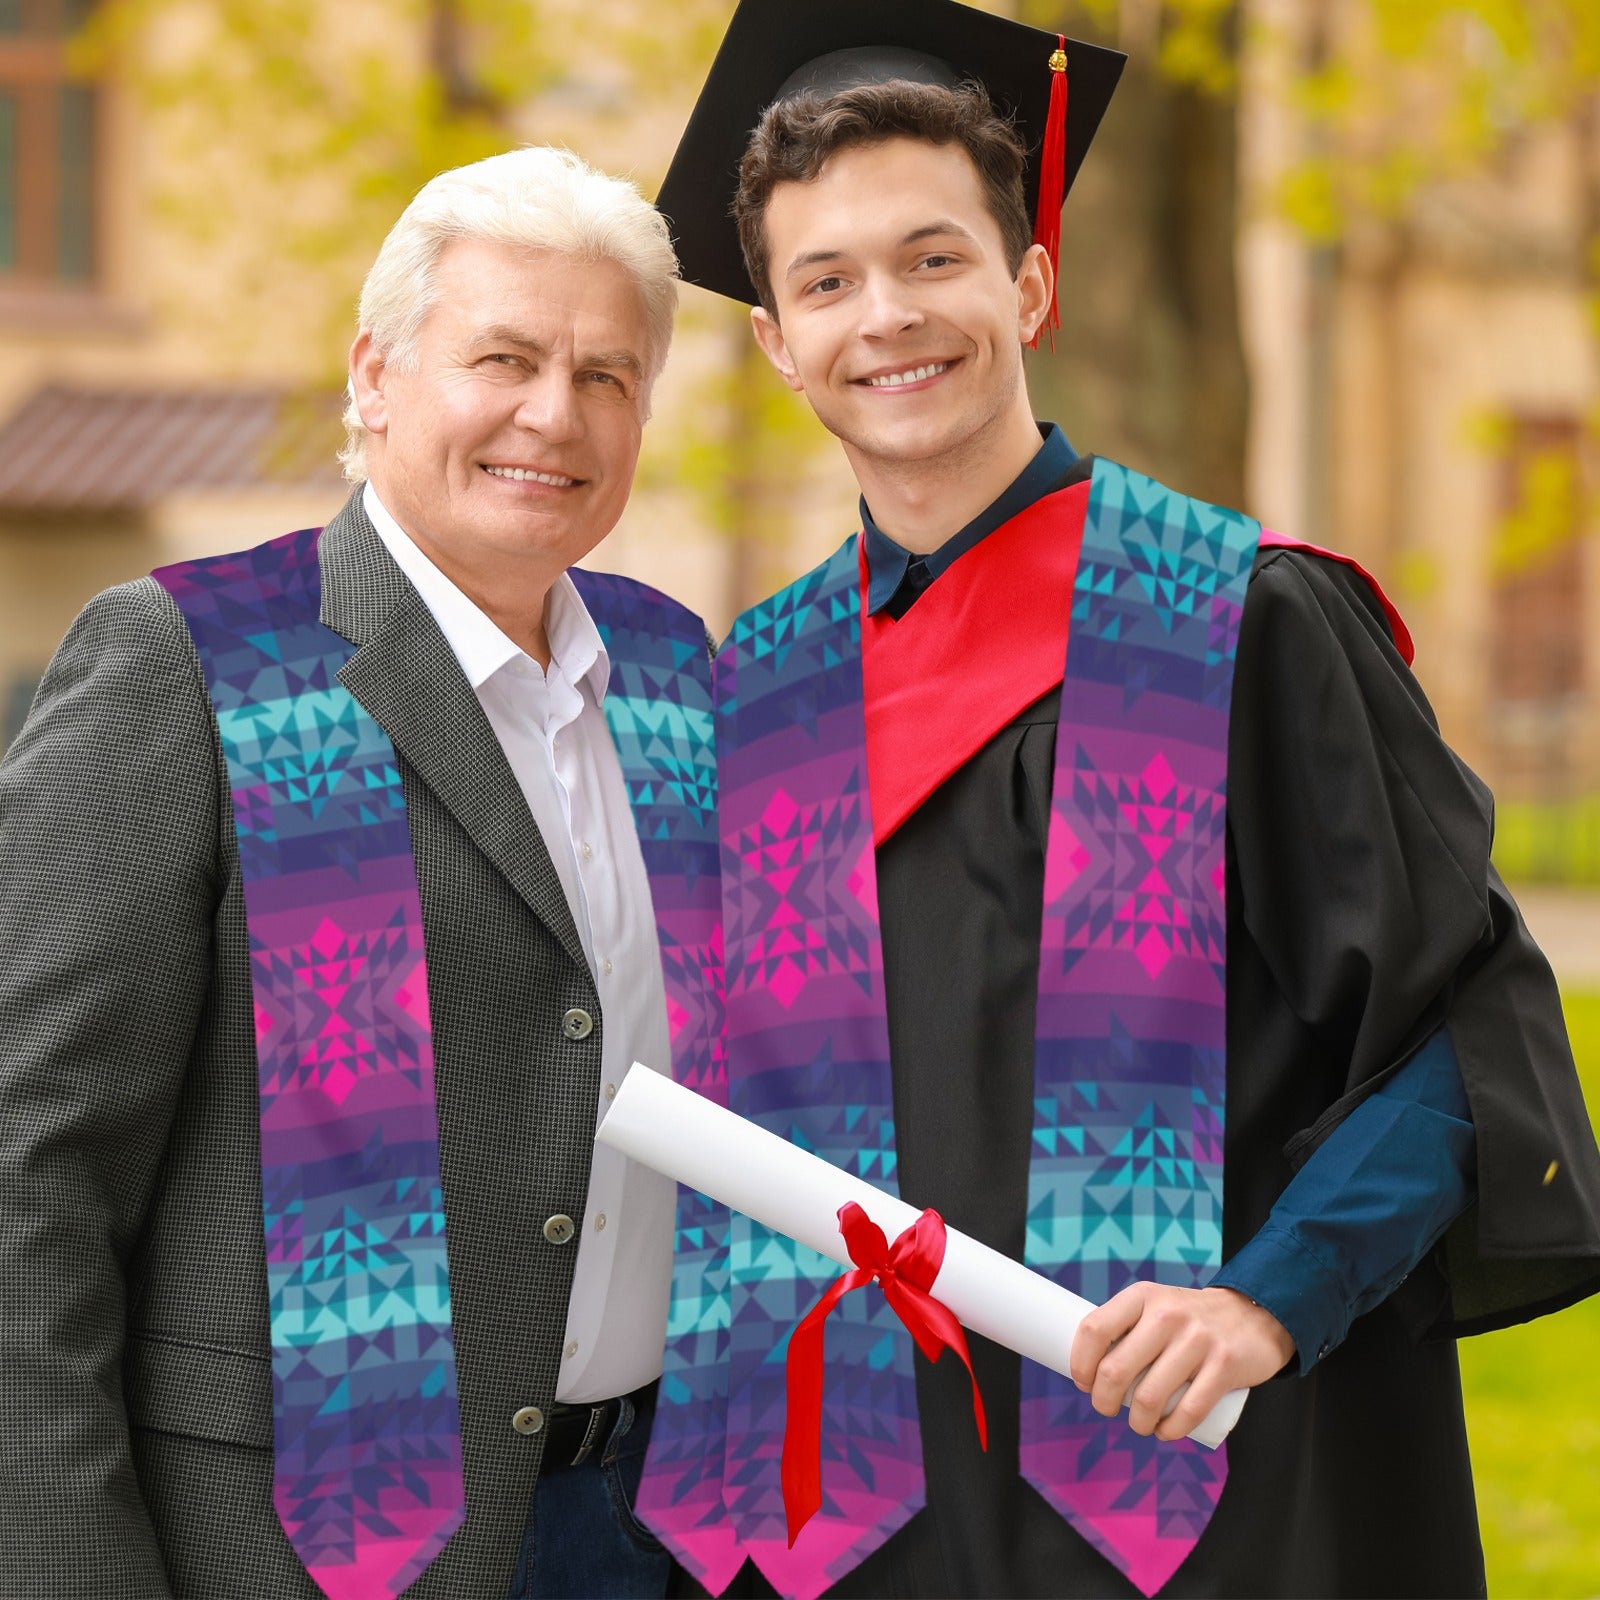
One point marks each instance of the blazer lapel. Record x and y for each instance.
(407, 678)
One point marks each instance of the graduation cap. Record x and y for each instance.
(775, 49)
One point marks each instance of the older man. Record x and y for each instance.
(340, 882)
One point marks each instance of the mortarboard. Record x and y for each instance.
(777, 48)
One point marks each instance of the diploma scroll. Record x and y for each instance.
(682, 1135)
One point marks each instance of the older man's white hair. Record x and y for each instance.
(537, 197)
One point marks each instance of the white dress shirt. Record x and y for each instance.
(553, 732)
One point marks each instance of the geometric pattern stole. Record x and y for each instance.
(366, 1424)
(1125, 1176)
(367, 1438)
(659, 709)
(808, 1051)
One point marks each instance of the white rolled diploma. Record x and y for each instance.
(682, 1135)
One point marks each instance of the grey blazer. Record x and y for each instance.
(135, 1377)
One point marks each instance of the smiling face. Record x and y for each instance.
(898, 316)
(508, 450)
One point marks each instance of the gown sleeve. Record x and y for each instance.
(1368, 1205)
(1359, 847)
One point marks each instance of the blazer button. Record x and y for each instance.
(559, 1229)
(530, 1419)
(577, 1024)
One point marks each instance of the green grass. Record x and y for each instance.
(1533, 1415)
(1548, 842)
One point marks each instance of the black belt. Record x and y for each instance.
(573, 1433)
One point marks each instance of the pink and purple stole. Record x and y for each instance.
(659, 708)
(367, 1434)
(367, 1441)
(1130, 1066)
(1126, 1170)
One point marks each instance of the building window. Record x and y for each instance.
(1539, 597)
(48, 136)
(1537, 565)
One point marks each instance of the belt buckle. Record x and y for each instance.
(590, 1435)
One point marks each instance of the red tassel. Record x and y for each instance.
(1052, 183)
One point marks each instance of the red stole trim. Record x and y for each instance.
(1397, 625)
(978, 647)
(982, 644)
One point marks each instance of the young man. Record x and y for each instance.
(1094, 874)
(331, 912)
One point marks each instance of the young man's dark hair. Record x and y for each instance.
(796, 137)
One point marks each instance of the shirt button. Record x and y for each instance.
(571, 1350)
(588, 851)
(611, 1091)
(577, 1023)
(600, 1222)
(559, 1229)
(606, 967)
(530, 1419)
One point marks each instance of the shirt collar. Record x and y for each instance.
(575, 642)
(887, 561)
(476, 640)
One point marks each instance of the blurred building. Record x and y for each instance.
(1426, 396)
(121, 446)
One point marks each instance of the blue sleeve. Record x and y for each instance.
(1367, 1206)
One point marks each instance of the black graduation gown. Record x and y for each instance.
(1362, 911)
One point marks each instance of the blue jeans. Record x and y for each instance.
(583, 1541)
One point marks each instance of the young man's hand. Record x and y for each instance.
(1212, 1339)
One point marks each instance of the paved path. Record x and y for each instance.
(1566, 922)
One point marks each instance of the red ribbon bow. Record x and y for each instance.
(907, 1270)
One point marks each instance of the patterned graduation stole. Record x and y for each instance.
(1130, 1070)
(366, 1425)
(1126, 1176)
(659, 709)
(367, 1436)
(808, 1051)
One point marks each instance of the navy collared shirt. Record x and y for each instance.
(1379, 1192)
(894, 574)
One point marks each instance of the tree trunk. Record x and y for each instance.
(1148, 367)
